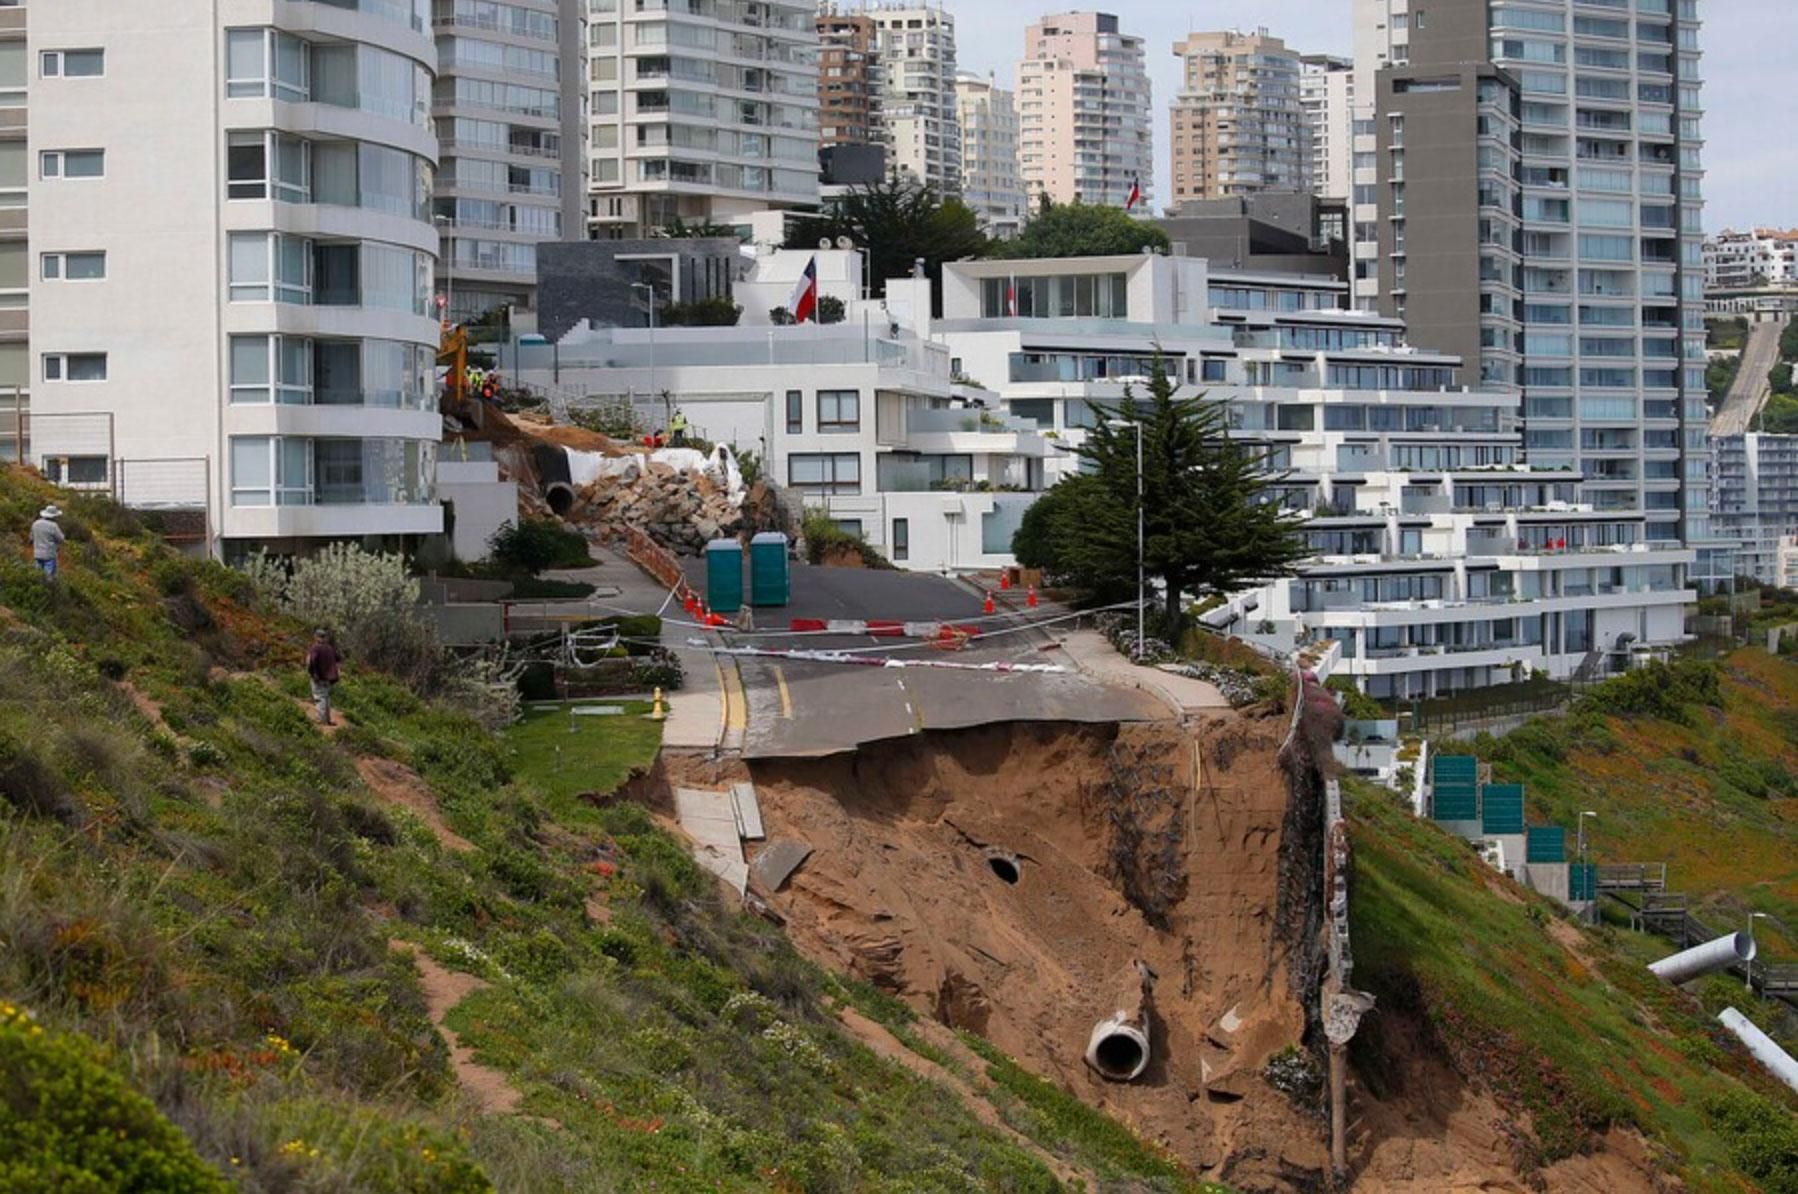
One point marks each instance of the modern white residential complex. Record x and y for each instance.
(1327, 93)
(1601, 254)
(1754, 500)
(15, 259)
(915, 45)
(990, 181)
(705, 111)
(1747, 260)
(1085, 127)
(510, 106)
(233, 316)
(1238, 124)
(1444, 559)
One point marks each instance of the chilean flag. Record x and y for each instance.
(1135, 194)
(803, 302)
(1011, 297)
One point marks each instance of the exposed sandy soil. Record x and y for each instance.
(900, 892)
(398, 784)
(498, 428)
(485, 1086)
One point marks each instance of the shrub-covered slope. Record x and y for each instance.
(210, 916)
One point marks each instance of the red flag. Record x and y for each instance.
(1011, 297)
(1135, 194)
(804, 301)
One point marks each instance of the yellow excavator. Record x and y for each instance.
(461, 395)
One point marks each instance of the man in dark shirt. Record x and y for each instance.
(322, 665)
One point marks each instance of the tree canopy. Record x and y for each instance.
(1082, 230)
(898, 221)
(1208, 523)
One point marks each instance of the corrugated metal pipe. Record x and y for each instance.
(1118, 1049)
(1700, 960)
(1765, 1049)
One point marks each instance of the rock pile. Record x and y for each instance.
(682, 511)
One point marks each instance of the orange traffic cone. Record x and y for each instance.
(1030, 597)
(1005, 578)
(987, 607)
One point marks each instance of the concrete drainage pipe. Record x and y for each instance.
(1118, 1049)
(560, 498)
(1720, 954)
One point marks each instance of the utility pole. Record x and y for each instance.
(1141, 576)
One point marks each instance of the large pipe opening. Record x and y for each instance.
(1004, 866)
(1118, 1051)
(1731, 949)
(560, 498)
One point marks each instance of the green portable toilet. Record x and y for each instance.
(724, 576)
(770, 579)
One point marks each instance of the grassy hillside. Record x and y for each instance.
(1706, 781)
(1561, 1022)
(207, 919)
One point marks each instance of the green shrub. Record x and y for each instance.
(1763, 1140)
(172, 575)
(1356, 705)
(68, 1122)
(660, 669)
(1671, 692)
(824, 538)
(537, 545)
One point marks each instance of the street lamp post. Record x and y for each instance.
(1141, 604)
(1582, 833)
(650, 290)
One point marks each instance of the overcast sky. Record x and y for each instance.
(1751, 99)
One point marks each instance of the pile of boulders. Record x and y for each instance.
(682, 511)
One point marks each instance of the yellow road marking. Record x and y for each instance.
(786, 698)
(736, 705)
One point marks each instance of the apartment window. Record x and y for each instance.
(262, 165)
(270, 471)
(839, 411)
(72, 163)
(73, 267)
(271, 368)
(267, 266)
(825, 472)
(74, 366)
(795, 412)
(262, 62)
(72, 64)
(901, 539)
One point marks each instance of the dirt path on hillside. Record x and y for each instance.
(398, 784)
(488, 1089)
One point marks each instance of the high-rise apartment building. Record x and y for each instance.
(706, 111)
(234, 314)
(991, 184)
(916, 45)
(1550, 150)
(510, 107)
(1084, 125)
(848, 79)
(1238, 125)
(15, 258)
(1327, 94)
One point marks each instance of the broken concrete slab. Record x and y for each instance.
(749, 812)
(775, 863)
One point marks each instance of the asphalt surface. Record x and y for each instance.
(1750, 390)
(807, 708)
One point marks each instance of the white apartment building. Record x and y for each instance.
(862, 418)
(510, 106)
(1754, 500)
(15, 258)
(991, 184)
(1085, 129)
(706, 111)
(1444, 559)
(233, 255)
(915, 45)
(1327, 95)
(1747, 260)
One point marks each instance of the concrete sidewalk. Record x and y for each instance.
(1093, 653)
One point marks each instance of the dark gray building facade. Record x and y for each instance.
(603, 281)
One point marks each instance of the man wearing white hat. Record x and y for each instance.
(46, 539)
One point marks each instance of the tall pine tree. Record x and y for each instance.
(1209, 522)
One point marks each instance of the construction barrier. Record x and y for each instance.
(656, 560)
(881, 628)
